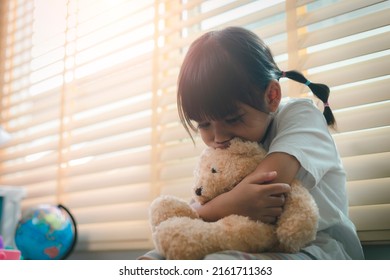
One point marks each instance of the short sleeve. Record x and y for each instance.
(300, 129)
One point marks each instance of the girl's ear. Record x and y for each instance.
(272, 96)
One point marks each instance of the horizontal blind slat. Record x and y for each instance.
(356, 142)
(333, 10)
(29, 149)
(179, 169)
(344, 29)
(28, 203)
(369, 192)
(374, 236)
(114, 245)
(108, 145)
(181, 187)
(40, 189)
(351, 50)
(123, 176)
(95, 165)
(114, 231)
(370, 166)
(360, 93)
(112, 213)
(173, 133)
(91, 198)
(184, 149)
(108, 114)
(30, 106)
(43, 161)
(370, 217)
(363, 117)
(46, 173)
(349, 72)
(106, 130)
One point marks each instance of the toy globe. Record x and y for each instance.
(46, 232)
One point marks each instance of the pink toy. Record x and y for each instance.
(8, 254)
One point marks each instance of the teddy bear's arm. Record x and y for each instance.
(298, 224)
(167, 206)
(184, 238)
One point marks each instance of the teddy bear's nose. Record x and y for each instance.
(198, 191)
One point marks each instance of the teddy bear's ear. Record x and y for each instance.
(240, 147)
(206, 153)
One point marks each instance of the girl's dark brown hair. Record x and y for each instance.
(227, 67)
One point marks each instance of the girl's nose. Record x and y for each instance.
(222, 145)
(222, 137)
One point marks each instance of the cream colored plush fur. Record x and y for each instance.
(179, 233)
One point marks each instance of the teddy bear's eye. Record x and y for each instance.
(213, 170)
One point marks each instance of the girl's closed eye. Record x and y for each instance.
(235, 119)
(203, 125)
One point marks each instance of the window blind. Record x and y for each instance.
(77, 101)
(89, 97)
(346, 44)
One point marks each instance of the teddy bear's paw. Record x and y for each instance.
(183, 238)
(167, 206)
(294, 240)
(243, 234)
(298, 224)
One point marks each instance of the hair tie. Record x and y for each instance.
(283, 74)
(307, 83)
(326, 104)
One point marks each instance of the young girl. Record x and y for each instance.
(229, 87)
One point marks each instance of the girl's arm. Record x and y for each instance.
(258, 196)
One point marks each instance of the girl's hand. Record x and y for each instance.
(258, 199)
(253, 197)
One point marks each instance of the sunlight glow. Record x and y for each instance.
(72, 41)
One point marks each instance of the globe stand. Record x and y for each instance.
(71, 248)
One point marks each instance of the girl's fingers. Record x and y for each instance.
(266, 177)
(261, 178)
(271, 215)
(268, 219)
(276, 201)
(274, 190)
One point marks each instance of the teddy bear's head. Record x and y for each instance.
(219, 170)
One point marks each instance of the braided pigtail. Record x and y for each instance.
(319, 90)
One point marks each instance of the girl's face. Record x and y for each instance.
(247, 123)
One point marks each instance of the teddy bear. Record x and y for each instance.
(179, 233)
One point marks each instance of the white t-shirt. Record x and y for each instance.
(299, 129)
